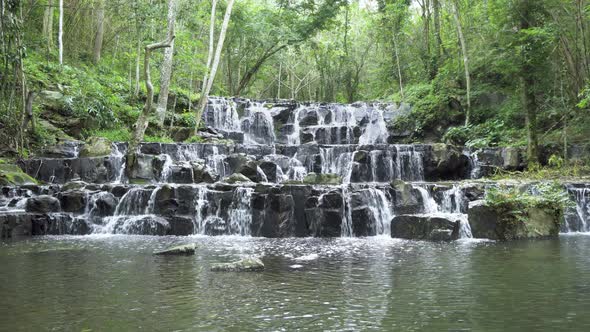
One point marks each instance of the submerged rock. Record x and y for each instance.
(426, 227)
(250, 264)
(185, 249)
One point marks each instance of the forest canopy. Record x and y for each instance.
(475, 72)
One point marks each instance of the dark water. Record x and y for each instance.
(113, 283)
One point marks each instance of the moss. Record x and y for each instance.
(313, 178)
(12, 175)
(96, 146)
(139, 181)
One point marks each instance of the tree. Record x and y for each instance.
(166, 71)
(48, 24)
(98, 38)
(212, 71)
(61, 32)
(465, 58)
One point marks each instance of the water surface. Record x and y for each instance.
(110, 282)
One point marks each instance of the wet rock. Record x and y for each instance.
(74, 185)
(237, 178)
(407, 198)
(310, 119)
(215, 226)
(95, 147)
(142, 225)
(165, 201)
(180, 226)
(42, 204)
(513, 158)
(151, 148)
(250, 264)
(426, 227)
(270, 170)
(250, 170)
(104, 205)
(325, 178)
(272, 215)
(181, 250)
(73, 201)
(16, 225)
(500, 223)
(203, 174)
(59, 224)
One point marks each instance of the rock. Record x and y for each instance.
(74, 185)
(12, 175)
(500, 223)
(310, 119)
(16, 225)
(203, 174)
(142, 225)
(407, 198)
(73, 201)
(250, 264)
(180, 226)
(325, 178)
(96, 147)
(104, 205)
(445, 163)
(426, 227)
(185, 249)
(42, 204)
(64, 149)
(270, 170)
(512, 158)
(237, 178)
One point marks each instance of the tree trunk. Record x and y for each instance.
(61, 32)
(48, 25)
(215, 64)
(399, 68)
(437, 34)
(529, 102)
(137, 66)
(166, 71)
(28, 113)
(465, 60)
(98, 38)
(211, 44)
(245, 80)
(142, 120)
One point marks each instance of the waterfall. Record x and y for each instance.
(381, 210)
(240, 215)
(452, 204)
(577, 219)
(333, 163)
(117, 159)
(294, 138)
(409, 163)
(258, 126)
(376, 131)
(221, 114)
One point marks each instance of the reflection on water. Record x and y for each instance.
(114, 283)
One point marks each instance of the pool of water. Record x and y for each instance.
(114, 283)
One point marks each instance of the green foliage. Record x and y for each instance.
(195, 139)
(113, 135)
(158, 139)
(552, 195)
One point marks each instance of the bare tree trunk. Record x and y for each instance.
(166, 71)
(215, 64)
(399, 68)
(279, 85)
(98, 38)
(48, 24)
(61, 32)
(211, 44)
(28, 113)
(137, 66)
(465, 59)
(142, 120)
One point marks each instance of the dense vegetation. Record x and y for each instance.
(477, 72)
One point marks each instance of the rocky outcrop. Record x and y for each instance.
(181, 250)
(43, 204)
(426, 227)
(14, 176)
(250, 264)
(446, 162)
(96, 147)
(505, 223)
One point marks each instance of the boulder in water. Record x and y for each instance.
(203, 174)
(105, 205)
(73, 201)
(96, 147)
(185, 249)
(42, 204)
(426, 227)
(501, 223)
(249, 264)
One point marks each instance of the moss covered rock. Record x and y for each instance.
(508, 221)
(237, 178)
(185, 249)
(249, 264)
(314, 178)
(96, 147)
(12, 175)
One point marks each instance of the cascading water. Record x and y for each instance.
(240, 215)
(578, 218)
